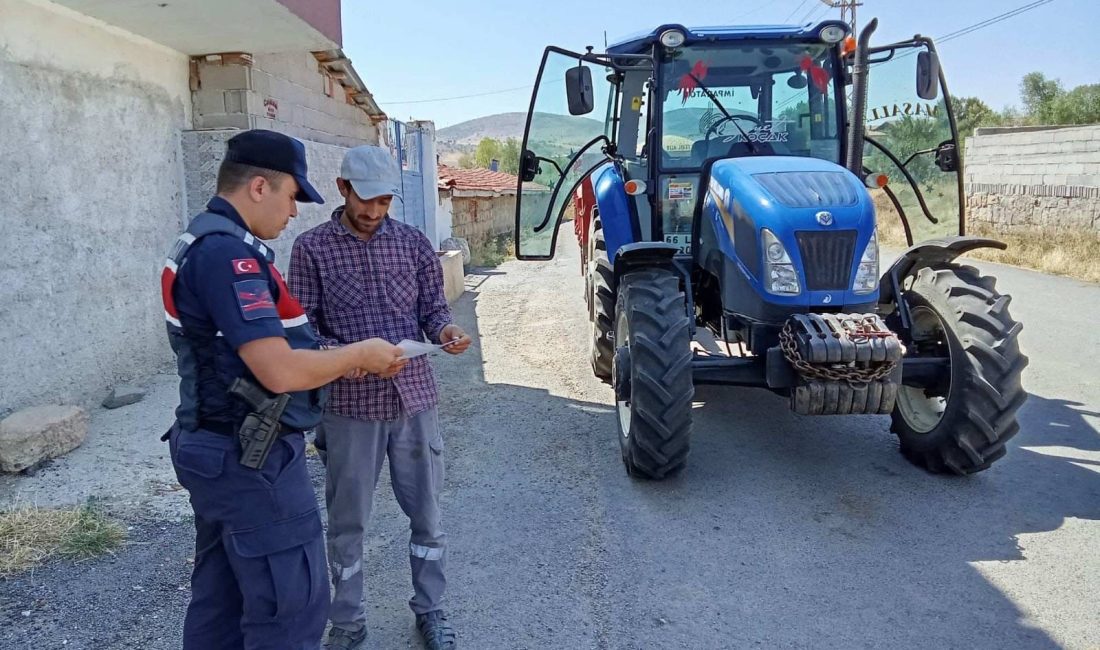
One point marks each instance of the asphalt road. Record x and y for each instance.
(782, 532)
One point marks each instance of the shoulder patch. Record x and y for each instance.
(255, 300)
(246, 266)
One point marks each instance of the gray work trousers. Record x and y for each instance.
(353, 451)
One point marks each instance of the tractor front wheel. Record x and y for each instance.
(960, 426)
(652, 373)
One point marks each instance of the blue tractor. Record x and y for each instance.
(730, 207)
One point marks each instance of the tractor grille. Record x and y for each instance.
(827, 258)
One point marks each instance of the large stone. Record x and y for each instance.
(32, 435)
(124, 395)
(457, 244)
(454, 279)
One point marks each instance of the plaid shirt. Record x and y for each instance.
(390, 287)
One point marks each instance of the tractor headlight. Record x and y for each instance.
(867, 274)
(780, 276)
(672, 38)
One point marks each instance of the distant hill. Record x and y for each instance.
(453, 141)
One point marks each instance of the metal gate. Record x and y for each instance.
(407, 145)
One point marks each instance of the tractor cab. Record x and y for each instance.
(658, 108)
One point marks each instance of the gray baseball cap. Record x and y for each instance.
(372, 172)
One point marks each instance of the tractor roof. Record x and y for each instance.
(640, 43)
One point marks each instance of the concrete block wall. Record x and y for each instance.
(92, 200)
(1034, 177)
(202, 155)
(286, 92)
(478, 219)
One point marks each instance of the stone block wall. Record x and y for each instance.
(286, 92)
(1034, 177)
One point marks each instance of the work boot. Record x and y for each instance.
(341, 639)
(436, 631)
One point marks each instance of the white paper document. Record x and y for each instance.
(410, 348)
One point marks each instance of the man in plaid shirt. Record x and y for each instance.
(364, 275)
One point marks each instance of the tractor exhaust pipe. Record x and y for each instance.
(859, 100)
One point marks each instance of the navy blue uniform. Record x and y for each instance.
(260, 571)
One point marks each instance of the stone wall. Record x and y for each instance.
(1034, 177)
(479, 219)
(286, 92)
(92, 179)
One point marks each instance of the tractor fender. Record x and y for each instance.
(929, 253)
(647, 254)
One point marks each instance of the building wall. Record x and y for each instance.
(478, 219)
(91, 202)
(203, 152)
(1034, 177)
(286, 92)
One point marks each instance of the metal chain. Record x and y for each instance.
(850, 374)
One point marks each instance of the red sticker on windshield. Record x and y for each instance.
(690, 81)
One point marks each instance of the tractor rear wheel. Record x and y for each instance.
(601, 300)
(962, 425)
(652, 373)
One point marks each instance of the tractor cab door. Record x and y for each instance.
(910, 135)
(562, 144)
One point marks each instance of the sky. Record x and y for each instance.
(415, 56)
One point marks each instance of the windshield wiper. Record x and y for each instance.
(730, 118)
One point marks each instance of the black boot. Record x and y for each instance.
(436, 631)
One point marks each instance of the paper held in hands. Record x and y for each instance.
(411, 349)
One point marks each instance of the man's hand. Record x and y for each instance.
(454, 333)
(378, 357)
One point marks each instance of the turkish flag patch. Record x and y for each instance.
(246, 266)
(255, 300)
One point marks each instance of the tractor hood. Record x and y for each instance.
(788, 192)
(819, 211)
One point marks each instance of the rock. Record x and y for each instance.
(457, 244)
(29, 436)
(124, 395)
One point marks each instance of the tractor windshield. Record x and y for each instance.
(783, 96)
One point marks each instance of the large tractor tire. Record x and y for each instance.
(601, 304)
(960, 427)
(652, 370)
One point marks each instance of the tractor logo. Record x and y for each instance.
(825, 218)
(828, 299)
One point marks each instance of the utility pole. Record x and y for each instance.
(847, 10)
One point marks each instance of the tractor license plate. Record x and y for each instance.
(680, 240)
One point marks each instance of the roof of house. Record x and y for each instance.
(476, 180)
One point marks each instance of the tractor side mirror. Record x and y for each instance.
(928, 75)
(578, 89)
(528, 166)
(947, 157)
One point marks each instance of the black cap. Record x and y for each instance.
(274, 151)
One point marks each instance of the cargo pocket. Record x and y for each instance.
(436, 445)
(281, 567)
(201, 460)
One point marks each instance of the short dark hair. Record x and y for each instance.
(233, 176)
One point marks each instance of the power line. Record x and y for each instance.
(447, 99)
(796, 10)
(992, 21)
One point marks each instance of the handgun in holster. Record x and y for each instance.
(261, 427)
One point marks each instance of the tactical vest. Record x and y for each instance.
(207, 364)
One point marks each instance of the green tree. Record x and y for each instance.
(1039, 95)
(1078, 106)
(487, 151)
(509, 156)
(971, 113)
(467, 161)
